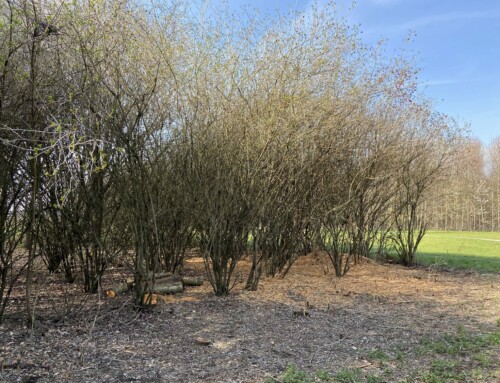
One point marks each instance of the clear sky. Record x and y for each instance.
(457, 46)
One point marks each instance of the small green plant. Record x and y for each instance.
(374, 379)
(377, 354)
(399, 355)
(348, 376)
(477, 374)
(493, 338)
(323, 376)
(294, 375)
(483, 359)
(443, 370)
(387, 371)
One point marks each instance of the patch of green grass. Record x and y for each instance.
(374, 379)
(294, 375)
(460, 343)
(377, 354)
(457, 357)
(348, 376)
(443, 370)
(323, 376)
(388, 371)
(483, 359)
(462, 250)
(477, 374)
(462, 356)
(399, 355)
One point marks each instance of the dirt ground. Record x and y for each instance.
(253, 335)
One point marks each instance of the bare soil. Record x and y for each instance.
(252, 335)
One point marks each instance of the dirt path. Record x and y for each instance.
(254, 335)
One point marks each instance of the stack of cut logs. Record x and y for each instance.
(165, 283)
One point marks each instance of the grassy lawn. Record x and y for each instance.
(461, 250)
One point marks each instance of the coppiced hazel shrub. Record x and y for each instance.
(138, 127)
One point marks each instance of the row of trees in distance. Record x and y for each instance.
(470, 198)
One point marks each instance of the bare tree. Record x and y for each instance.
(427, 150)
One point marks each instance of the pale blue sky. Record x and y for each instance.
(457, 46)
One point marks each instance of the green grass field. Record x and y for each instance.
(461, 250)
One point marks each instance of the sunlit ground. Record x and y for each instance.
(461, 250)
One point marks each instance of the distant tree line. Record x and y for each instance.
(469, 197)
(132, 131)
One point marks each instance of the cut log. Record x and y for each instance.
(168, 279)
(130, 283)
(162, 278)
(192, 281)
(186, 281)
(115, 291)
(154, 299)
(167, 284)
(175, 278)
(160, 274)
(169, 288)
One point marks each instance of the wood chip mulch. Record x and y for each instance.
(309, 318)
